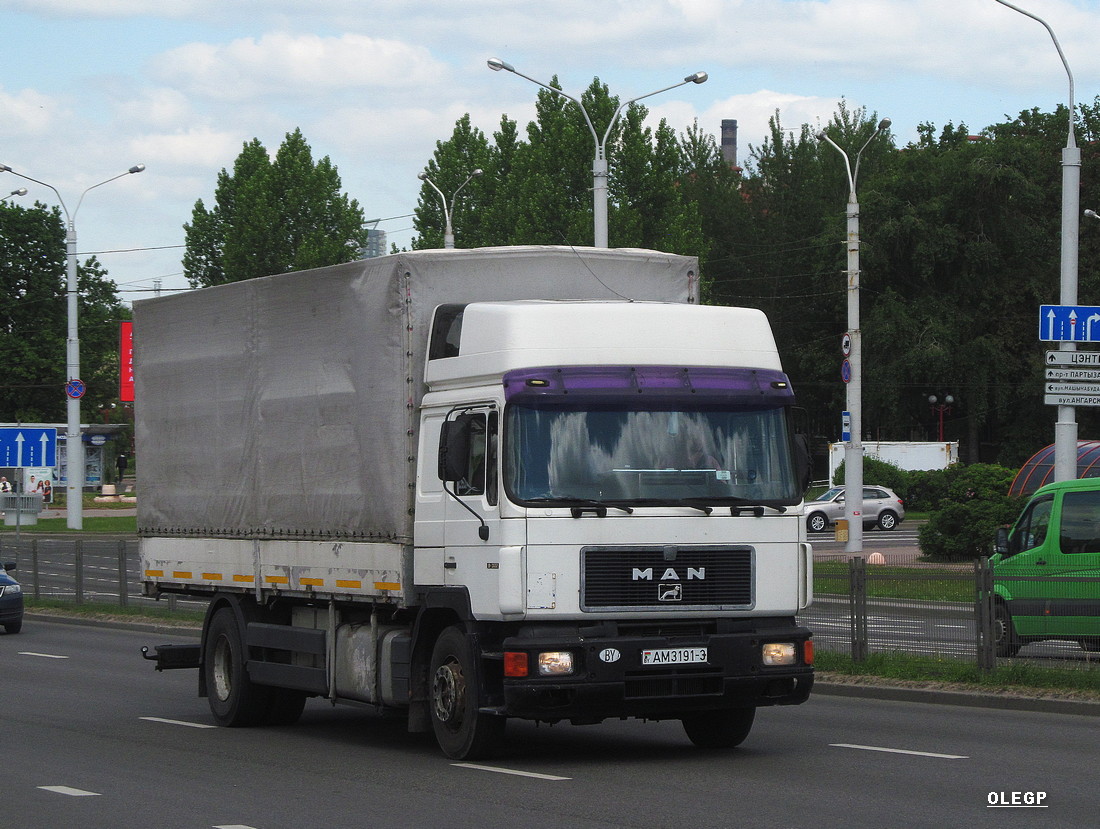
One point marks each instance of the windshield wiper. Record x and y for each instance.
(579, 506)
(735, 503)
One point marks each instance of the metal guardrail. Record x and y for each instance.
(21, 508)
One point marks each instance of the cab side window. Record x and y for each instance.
(1031, 531)
(1080, 522)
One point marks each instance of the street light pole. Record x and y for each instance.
(853, 449)
(448, 231)
(941, 409)
(21, 191)
(74, 487)
(599, 163)
(1065, 429)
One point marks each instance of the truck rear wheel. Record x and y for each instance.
(234, 699)
(461, 731)
(719, 729)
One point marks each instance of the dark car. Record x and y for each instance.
(11, 601)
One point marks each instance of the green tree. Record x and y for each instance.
(34, 323)
(540, 191)
(272, 216)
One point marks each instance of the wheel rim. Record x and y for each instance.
(222, 673)
(449, 693)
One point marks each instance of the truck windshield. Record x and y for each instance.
(614, 454)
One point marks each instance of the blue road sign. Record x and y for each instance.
(1069, 323)
(28, 446)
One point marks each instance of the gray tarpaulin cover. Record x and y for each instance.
(286, 406)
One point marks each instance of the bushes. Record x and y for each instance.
(966, 504)
(965, 518)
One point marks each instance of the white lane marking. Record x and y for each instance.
(68, 790)
(232, 826)
(42, 655)
(178, 722)
(902, 751)
(516, 772)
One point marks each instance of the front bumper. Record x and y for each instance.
(733, 676)
(11, 609)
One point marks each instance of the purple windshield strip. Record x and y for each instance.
(742, 385)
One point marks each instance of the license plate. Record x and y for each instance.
(674, 656)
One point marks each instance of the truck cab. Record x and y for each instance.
(1046, 569)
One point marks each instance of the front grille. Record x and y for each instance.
(671, 684)
(665, 578)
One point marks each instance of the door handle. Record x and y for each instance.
(450, 565)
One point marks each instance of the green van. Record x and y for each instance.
(1046, 569)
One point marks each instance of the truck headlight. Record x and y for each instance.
(779, 653)
(555, 663)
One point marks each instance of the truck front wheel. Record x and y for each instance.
(234, 699)
(1005, 640)
(461, 731)
(719, 729)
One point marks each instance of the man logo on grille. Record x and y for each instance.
(671, 593)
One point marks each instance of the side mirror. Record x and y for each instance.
(802, 462)
(1000, 545)
(454, 449)
(9, 566)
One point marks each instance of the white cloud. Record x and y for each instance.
(27, 112)
(279, 63)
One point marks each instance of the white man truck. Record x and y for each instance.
(473, 485)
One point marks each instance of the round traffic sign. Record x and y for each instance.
(75, 389)
(846, 344)
(846, 371)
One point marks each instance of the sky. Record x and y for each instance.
(90, 88)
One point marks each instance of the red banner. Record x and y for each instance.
(126, 362)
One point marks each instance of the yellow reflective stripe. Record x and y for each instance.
(387, 585)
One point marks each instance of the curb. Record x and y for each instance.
(938, 696)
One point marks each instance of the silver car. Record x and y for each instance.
(881, 507)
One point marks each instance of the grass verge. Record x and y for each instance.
(110, 612)
(929, 584)
(92, 524)
(1017, 678)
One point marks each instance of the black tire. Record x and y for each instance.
(887, 520)
(235, 700)
(13, 627)
(816, 522)
(461, 731)
(1005, 640)
(719, 729)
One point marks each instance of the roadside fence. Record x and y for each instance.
(936, 611)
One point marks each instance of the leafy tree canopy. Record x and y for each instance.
(272, 216)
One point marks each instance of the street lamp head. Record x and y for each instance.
(496, 64)
(698, 77)
(22, 191)
(4, 168)
(820, 136)
(422, 176)
(137, 168)
(477, 172)
(1092, 214)
(884, 124)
